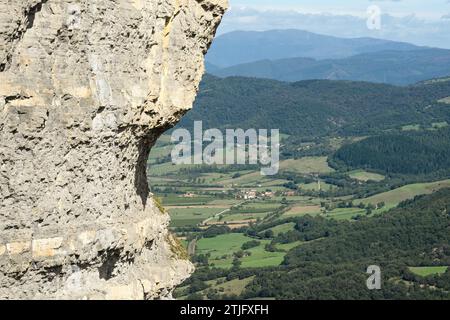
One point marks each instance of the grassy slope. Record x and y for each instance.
(365, 176)
(307, 165)
(428, 271)
(394, 197)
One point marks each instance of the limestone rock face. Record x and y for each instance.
(86, 87)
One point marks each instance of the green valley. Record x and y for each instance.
(364, 168)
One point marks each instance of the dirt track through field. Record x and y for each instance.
(220, 213)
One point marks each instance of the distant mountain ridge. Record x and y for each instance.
(393, 67)
(240, 47)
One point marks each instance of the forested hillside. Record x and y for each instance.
(415, 153)
(333, 267)
(317, 107)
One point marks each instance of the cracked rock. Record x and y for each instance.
(86, 88)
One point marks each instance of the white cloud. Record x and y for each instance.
(409, 28)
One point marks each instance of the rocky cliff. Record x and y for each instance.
(86, 87)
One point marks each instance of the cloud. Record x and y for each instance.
(409, 28)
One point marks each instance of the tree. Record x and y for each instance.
(268, 234)
(237, 263)
(195, 296)
(270, 247)
(250, 244)
(214, 231)
(197, 285)
(381, 205)
(201, 259)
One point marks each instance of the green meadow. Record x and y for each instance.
(394, 197)
(428, 271)
(365, 176)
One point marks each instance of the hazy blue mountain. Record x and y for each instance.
(249, 46)
(211, 68)
(394, 67)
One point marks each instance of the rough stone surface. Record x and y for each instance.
(86, 87)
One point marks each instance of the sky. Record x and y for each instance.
(423, 22)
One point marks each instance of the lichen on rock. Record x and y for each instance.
(86, 88)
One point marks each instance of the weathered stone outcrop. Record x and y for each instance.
(86, 87)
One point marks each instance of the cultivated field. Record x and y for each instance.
(365, 176)
(428, 271)
(307, 165)
(301, 210)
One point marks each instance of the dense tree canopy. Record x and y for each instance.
(316, 107)
(334, 267)
(408, 153)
